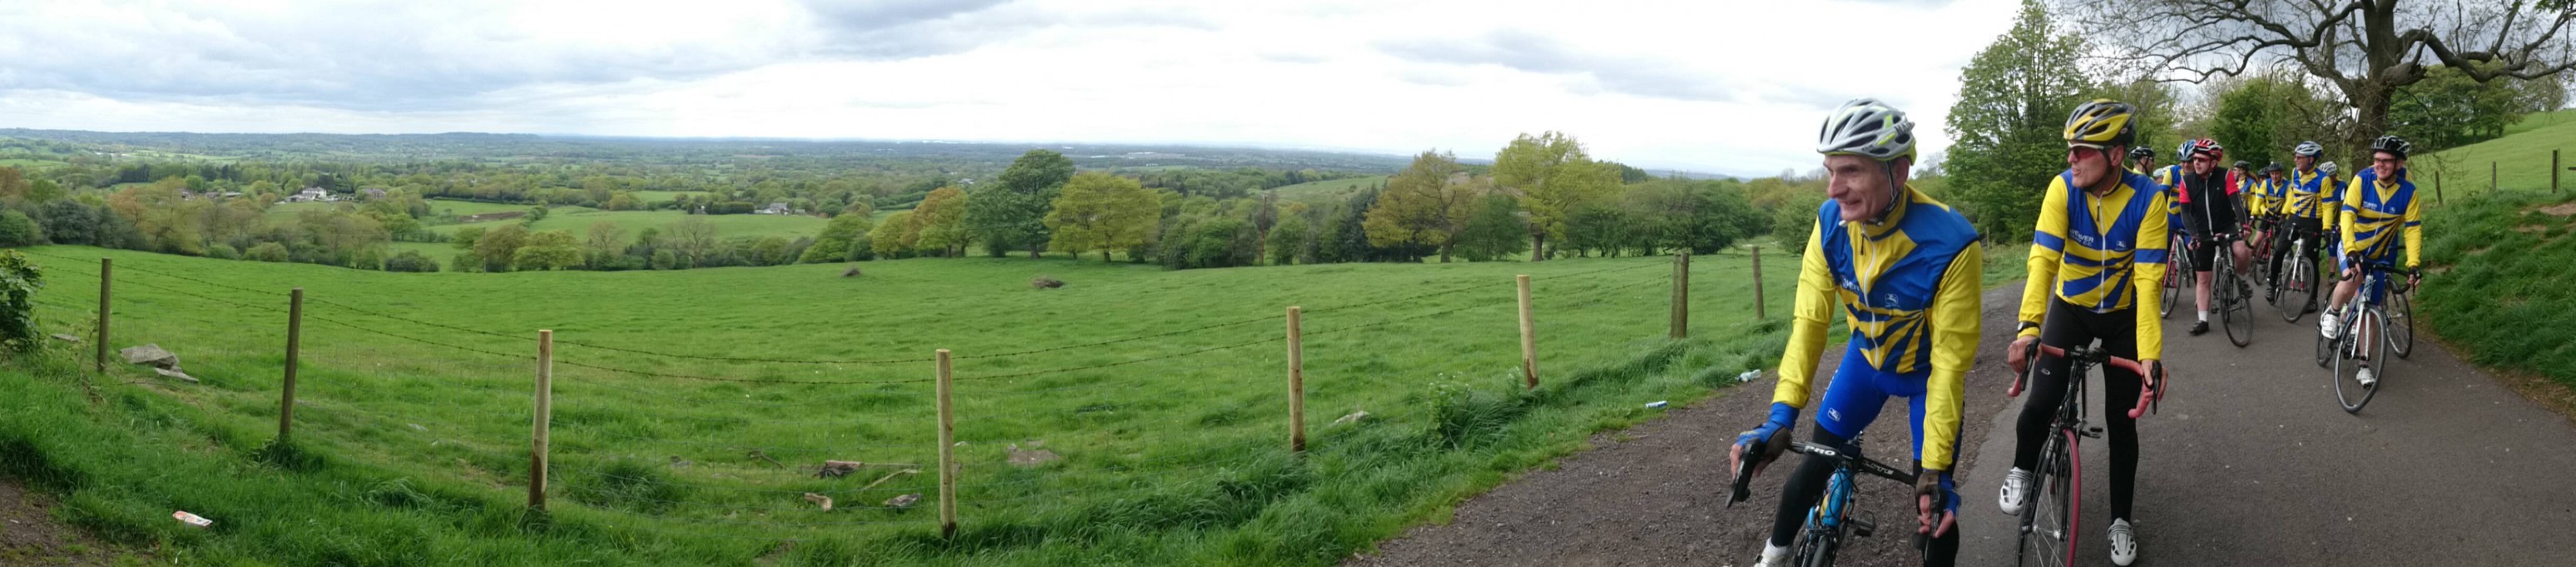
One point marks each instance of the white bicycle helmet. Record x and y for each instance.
(2309, 149)
(2327, 168)
(1868, 128)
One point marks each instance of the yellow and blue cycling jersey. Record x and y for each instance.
(2102, 253)
(1908, 286)
(2268, 196)
(2374, 208)
(2169, 179)
(2313, 195)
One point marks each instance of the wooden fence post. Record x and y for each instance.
(294, 350)
(2553, 172)
(947, 452)
(543, 418)
(106, 275)
(2437, 187)
(1296, 381)
(1681, 295)
(1757, 284)
(1529, 335)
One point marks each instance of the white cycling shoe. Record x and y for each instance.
(2012, 496)
(2326, 324)
(2366, 378)
(1772, 555)
(2124, 544)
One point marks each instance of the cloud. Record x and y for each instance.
(1531, 52)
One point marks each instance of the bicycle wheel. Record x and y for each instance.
(2348, 388)
(1815, 548)
(2177, 277)
(2298, 285)
(2235, 310)
(2049, 521)
(2401, 324)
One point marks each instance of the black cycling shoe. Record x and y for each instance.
(2200, 328)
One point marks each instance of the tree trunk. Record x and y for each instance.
(1104, 255)
(1538, 246)
(1444, 253)
(1034, 253)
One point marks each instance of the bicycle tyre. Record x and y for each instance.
(2348, 390)
(1815, 548)
(2177, 277)
(2235, 311)
(2401, 324)
(2050, 520)
(2299, 286)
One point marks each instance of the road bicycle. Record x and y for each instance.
(1832, 520)
(2049, 519)
(2344, 348)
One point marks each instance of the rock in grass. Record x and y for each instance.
(1354, 417)
(175, 374)
(819, 500)
(904, 501)
(150, 355)
(838, 469)
(66, 338)
(850, 273)
(1043, 282)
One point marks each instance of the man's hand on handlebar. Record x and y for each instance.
(1936, 503)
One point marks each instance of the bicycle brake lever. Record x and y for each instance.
(1742, 488)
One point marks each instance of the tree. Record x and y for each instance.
(410, 261)
(692, 239)
(605, 244)
(1289, 240)
(1555, 179)
(499, 247)
(1009, 215)
(1494, 231)
(621, 202)
(895, 237)
(2364, 49)
(266, 252)
(1428, 204)
(839, 236)
(2007, 126)
(942, 216)
(547, 250)
(1699, 216)
(17, 231)
(1100, 211)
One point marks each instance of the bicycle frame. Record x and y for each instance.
(2064, 431)
(1826, 522)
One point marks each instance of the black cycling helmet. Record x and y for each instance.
(2242, 164)
(2274, 168)
(2392, 144)
(2140, 152)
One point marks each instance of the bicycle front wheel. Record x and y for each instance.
(2348, 359)
(2049, 520)
(2298, 285)
(1815, 548)
(2235, 310)
(2177, 278)
(2401, 324)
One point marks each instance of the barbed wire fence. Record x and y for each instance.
(766, 451)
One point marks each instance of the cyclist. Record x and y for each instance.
(2142, 161)
(2171, 176)
(2095, 257)
(2209, 216)
(2380, 202)
(1905, 270)
(2266, 202)
(2313, 200)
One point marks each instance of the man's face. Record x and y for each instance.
(2200, 165)
(1862, 185)
(2277, 176)
(2146, 163)
(2386, 164)
(2089, 163)
(2306, 163)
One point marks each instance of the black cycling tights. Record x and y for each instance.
(1807, 486)
(2068, 326)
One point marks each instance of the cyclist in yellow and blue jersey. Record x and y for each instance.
(2311, 204)
(2378, 205)
(2269, 197)
(1905, 271)
(2096, 258)
(2169, 177)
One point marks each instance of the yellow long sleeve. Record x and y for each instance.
(2145, 278)
(2047, 248)
(1808, 323)
(1955, 334)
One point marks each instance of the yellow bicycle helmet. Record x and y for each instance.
(2102, 122)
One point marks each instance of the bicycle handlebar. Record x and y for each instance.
(2147, 396)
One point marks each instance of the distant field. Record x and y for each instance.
(464, 208)
(1327, 190)
(663, 196)
(1166, 450)
(579, 219)
(24, 163)
(2521, 158)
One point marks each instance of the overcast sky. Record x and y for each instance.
(1725, 86)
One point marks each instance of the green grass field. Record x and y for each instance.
(579, 219)
(2520, 158)
(1328, 190)
(663, 196)
(467, 208)
(1172, 445)
(2497, 268)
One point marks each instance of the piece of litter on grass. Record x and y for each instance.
(1748, 375)
(192, 519)
(1657, 404)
